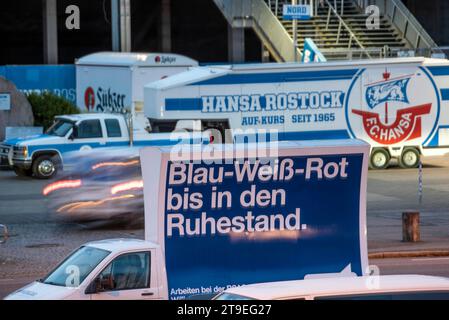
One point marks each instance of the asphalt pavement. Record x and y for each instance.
(432, 266)
(394, 191)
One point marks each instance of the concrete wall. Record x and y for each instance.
(434, 16)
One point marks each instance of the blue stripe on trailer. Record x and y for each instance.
(445, 94)
(439, 70)
(299, 136)
(187, 104)
(315, 135)
(435, 142)
(280, 77)
(434, 129)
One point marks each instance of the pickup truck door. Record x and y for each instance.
(88, 135)
(116, 133)
(130, 276)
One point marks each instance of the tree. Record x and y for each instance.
(48, 105)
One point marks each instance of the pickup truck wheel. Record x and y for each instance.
(45, 167)
(21, 172)
(380, 159)
(409, 158)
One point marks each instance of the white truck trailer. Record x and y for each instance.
(399, 106)
(113, 81)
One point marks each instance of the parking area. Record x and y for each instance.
(38, 240)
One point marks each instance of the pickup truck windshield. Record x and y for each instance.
(60, 128)
(73, 270)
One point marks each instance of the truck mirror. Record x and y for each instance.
(106, 283)
(100, 284)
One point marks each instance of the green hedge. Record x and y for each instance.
(48, 105)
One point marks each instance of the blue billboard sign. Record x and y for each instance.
(58, 79)
(250, 220)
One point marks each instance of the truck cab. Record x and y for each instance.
(118, 269)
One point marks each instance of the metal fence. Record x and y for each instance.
(257, 15)
(335, 9)
(403, 20)
(385, 52)
(344, 25)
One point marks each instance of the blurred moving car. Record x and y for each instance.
(396, 287)
(100, 187)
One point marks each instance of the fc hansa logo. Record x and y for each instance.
(393, 108)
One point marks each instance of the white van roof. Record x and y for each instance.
(341, 286)
(129, 59)
(90, 116)
(122, 245)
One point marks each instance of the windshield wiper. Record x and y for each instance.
(53, 283)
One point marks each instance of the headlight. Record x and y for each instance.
(21, 151)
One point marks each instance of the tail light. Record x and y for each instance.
(126, 186)
(63, 184)
(115, 164)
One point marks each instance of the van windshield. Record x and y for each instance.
(73, 270)
(60, 128)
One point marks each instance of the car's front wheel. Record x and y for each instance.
(45, 167)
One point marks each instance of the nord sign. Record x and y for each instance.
(297, 12)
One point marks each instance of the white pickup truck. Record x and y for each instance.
(43, 155)
(104, 270)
